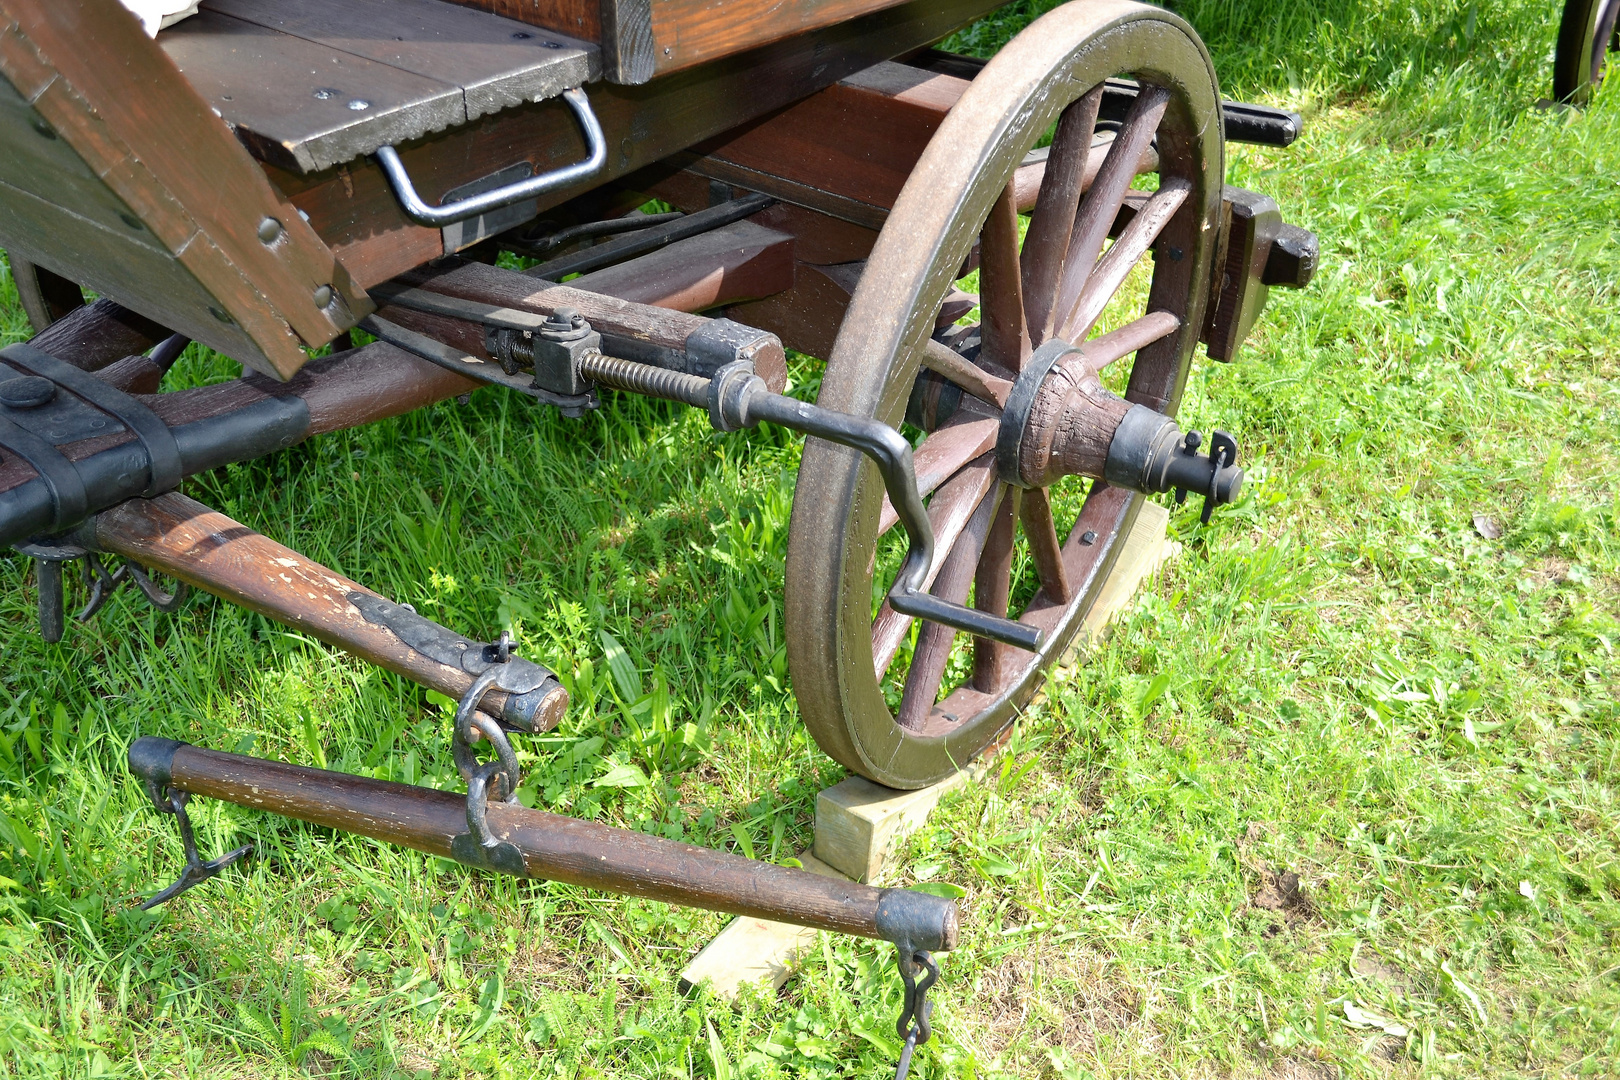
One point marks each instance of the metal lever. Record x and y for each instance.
(462, 209)
(737, 398)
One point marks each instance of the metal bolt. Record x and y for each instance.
(44, 128)
(269, 230)
(325, 94)
(1192, 442)
(521, 35)
(1176, 254)
(220, 315)
(323, 296)
(359, 105)
(1088, 538)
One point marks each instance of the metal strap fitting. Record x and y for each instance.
(498, 779)
(162, 451)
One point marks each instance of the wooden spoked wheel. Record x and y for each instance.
(842, 644)
(1586, 35)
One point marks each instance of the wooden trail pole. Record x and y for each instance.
(552, 847)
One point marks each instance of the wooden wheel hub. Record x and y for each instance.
(1059, 420)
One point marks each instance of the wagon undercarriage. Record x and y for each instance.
(835, 192)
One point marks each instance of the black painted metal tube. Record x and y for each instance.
(552, 847)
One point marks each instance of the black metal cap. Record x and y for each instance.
(917, 922)
(152, 759)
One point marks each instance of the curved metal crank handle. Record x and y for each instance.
(417, 209)
(738, 398)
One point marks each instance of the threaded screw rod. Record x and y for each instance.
(645, 379)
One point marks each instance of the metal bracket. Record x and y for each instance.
(437, 217)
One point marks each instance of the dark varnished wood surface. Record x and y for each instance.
(186, 540)
(354, 210)
(155, 143)
(553, 847)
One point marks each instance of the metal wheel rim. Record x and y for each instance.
(876, 358)
(1585, 37)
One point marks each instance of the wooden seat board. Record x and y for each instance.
(302, 104)
(497, 63)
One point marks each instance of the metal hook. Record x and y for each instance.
(913, 1025)
(196, 871)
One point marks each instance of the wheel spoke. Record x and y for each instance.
(1029, 179)
(1104, 349)
(1044, 548)
(967, 435)
(1052, 223)
(944, 360)
(948, 513)
(992, 585)
(1001, 293)
(934, 641)
(1101, 204)
(1112, 269)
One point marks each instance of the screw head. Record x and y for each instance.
(323, 296)
(521, 35)
(44, 128)
(269, 230)
(325, 93)
(359, 105)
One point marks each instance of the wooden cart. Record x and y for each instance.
(269, 175)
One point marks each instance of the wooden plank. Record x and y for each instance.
(156, 145)
(353, 208)
(1147, 548)
(580, 18)
(807, 316)
(644, 40)
(498, 63)
(856, 142)
(752, 951)
(740, 261)
(301, 104)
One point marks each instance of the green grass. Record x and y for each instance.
(1339, 678)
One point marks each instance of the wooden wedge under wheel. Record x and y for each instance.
(906, 705)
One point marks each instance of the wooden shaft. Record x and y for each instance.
(553, 847)
(94, 336)
(186, 540)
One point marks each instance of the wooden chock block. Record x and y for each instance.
(859, 824)
(1147, 548)
(752, 950)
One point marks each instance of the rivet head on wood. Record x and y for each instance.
(325, 93)
(26, 392)
(323, 296)
(269, 230)
(45, 129)
(220, 315)
(1088, 538)
(359, 105)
